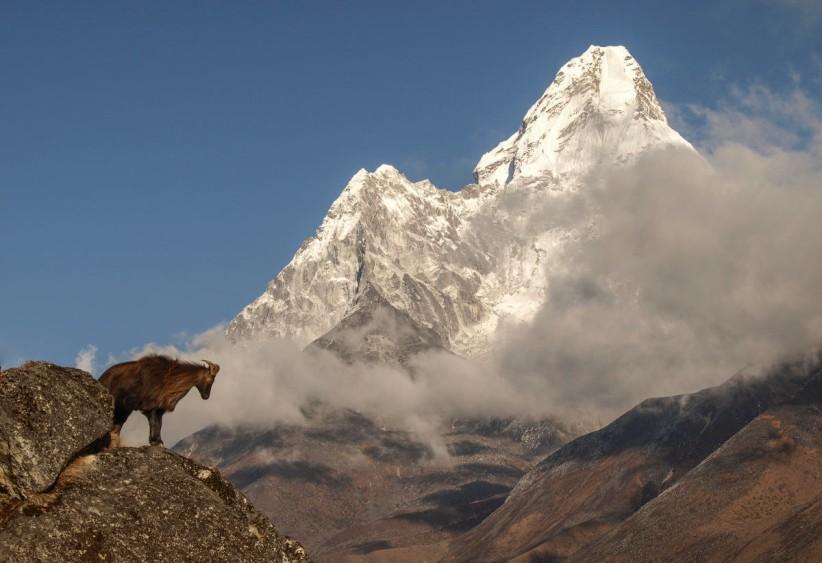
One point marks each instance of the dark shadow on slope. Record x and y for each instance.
(399, 449)
(344, 427)
(466, 448)
(465, 471)
(492, 470)
(467, 493)
(367, 547)
(314, 473)
(459, 509)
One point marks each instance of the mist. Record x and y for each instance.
(696, 267)
(677, 272)
(265, 381)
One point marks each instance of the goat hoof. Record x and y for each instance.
(113, 440)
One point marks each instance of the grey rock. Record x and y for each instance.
(48, 415)
(376, 332)
(64, 497)
(142, 504)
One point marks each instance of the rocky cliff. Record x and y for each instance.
(65, 497)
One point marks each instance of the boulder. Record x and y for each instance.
(143, 504)
(48, 415)
(66, 496)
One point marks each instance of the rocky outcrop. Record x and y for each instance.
(48, 415)
(65, 498)
(144, 504)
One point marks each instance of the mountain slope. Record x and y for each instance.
(588, 487)
(463, 263)
(348, 486)
(756, 498)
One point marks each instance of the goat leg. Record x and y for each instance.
(121, 414)
(155, 422)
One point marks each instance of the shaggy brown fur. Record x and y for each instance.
(154, 384)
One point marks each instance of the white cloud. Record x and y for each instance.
(269, 380)
(85, 358)
(702, 266)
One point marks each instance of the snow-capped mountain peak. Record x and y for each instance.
(461, 263)
(600, 108)
(383, 230)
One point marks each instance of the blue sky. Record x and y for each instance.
(160, 162)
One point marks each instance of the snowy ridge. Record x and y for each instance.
(383, 229)
(461, 263)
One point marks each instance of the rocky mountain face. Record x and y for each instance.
(692, 477)
(65, 497)
(462, 264)
(377, 332)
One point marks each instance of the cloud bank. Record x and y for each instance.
(688, 269)
(269, 380)
(699, 267)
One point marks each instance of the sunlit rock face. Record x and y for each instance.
(465, 263)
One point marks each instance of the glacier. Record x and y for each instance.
(462, 264)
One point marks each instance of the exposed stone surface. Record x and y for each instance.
(48, 414)
(65, 499)
(143, 504)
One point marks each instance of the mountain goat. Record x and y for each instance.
(154, 384)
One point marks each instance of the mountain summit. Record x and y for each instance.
(461, 264)
(600, 109)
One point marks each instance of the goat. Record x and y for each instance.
(154, 384)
